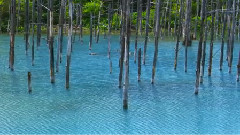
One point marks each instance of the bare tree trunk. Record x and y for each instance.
(137, 27)
(196, 22)
(48, 21)
(222, 38)
(199, 56)
(178, 35)
(140, 16)
(238, 67)
(126, 59)
(211, 44)
(98, 25)
(122, 42)
(19, 16)
(39, 21)
(139, 64)
(230, 56)
(157, 29)
(77, 21)
(217, 19)
(69, 46)
(50, 42)
(170, 17)
(33, 24)
(187, 30)
(26, 25)
(29, 82)
(60, 35)
(146, 32)
(109, 29)
(12, 33)
(80, 21)
(90, 38)
(204, 50)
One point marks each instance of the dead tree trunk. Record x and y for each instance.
(187, 30)
(140, 16)
(98, 25)
(122, 42)
(199, 56)
(60, 35)
(80, 25)
(222, 38)
(39, 22)
(26, 25)
(146, 32)
(217, 18)
(69, 46)
(238, 67)
(157, 29)
(169, 17)
(196, 22)
(232, 37)
(127, 35)
(137, 27)
(19, 16)
(29, 82)
(211, 43)
(90, 37)
(109, 35)
(178, 35)
(77, 21)
(50, 42)
(48, 21)
(12, 33)
(204, 49)
(139, 64)
(33, 24)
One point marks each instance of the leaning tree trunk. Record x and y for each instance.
(12, 33)
(69, 46)
(146, 32)
(60, 35)
(157, 30)
(39, 22)
(33, 24)
(50, 42)
(211, 43)
(126, 59)
(137, 27)
(199, 56)
(178, 35)
(26, 25)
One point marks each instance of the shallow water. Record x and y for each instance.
(93, 104)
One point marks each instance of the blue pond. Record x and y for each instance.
(93, 104)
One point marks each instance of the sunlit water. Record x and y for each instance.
(93, 104)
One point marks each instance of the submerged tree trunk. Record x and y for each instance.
(232, 37)
(26, 25)
(157, 29)
(140, 16)
(178, 35)
(126, 59)
(211, 44)
(90, 37)
(98, 25)
(12, 33)
(39, 22)
(69, 46)
(222, 38)
(199, 56)
(137, 27)
(80, 21)
(187, 31)
(60, 35)
(122, 42)
(29, 82)
(196, 22)
(169, 17)
(50, 42)
(238, 67)
(18, 17)
(33, 24)
(146, 32)
(109, 35)
(139, 64)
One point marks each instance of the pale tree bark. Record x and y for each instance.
(12, 33)
(50, 42)
(146, 31)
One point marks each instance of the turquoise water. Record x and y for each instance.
(93, 104)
